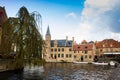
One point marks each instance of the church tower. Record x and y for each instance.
(47, 44)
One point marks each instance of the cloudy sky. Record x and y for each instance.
(83, 19)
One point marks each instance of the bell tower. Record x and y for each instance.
(47, 44)
(48, 37)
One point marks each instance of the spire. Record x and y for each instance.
(48, 31)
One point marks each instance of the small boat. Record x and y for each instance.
(113, 63)
(80, 62)
(99, 63)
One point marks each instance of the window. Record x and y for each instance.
(85, 56)
(100, 50)
(51, 50)
(111, 50)
(51, 55)
(66, 55)
(59, 49)
(106, 50)
(55, 49)
(103, 45)
(90, 56)
(70, 55)
(62, 55)
(55, 56)
(70, 49)
(86, 51)
(74, 51)
(86, 47)
(74, 56)
(58, 55)
(62, 49)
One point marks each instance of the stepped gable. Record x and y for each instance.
(107, 43)
(82, 47)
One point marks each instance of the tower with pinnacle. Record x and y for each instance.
(47, 44)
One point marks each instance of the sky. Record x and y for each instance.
(90, 20)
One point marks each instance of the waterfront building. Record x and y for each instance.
(107, 46)
(58, 50)
(3, 18)
(83, 52)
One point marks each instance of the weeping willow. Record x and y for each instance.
(21, 36)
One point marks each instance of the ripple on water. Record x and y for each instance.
(89, 75)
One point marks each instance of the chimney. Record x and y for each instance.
(66, 38)
(73, 39)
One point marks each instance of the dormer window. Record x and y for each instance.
(78, 47)
(103, 45)
(111, 45)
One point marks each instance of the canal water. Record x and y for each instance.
(64, 71)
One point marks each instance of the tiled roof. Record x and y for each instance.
(107, 43)
(62, 43)
(82, 47)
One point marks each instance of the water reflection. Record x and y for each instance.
(60, 71)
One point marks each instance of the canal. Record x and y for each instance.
(64, 71)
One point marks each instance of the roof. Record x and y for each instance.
(84, 42)
(82, 47)
(62, 43)
(107, 43)
(48, 31)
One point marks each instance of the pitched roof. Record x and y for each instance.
(62, 43)
(82, 47)
(107, 43)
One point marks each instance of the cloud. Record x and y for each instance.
(105, 13)
(102, 17)
(72, 14)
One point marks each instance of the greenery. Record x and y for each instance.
(21, 38)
